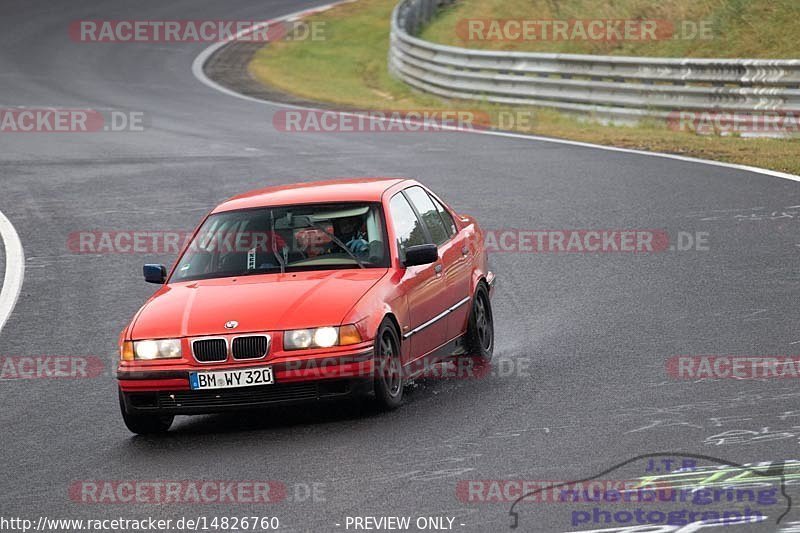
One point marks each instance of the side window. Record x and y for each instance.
(430, 216)
(446, 218)
(406, 225)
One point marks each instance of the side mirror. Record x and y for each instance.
(423, 254)
(155, 274)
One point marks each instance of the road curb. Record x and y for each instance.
(15, 269)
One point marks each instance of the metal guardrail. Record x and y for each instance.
(623, 89)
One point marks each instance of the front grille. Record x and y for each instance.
(254, 347)
(210, 350)
(239, 397)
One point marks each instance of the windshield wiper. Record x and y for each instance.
(272, 242)
(336, 239)
(259, 270)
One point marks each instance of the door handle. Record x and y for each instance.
(464, 250)
(438, 268)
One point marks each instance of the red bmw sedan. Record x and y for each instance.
(307, 292)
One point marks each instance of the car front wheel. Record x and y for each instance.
(480, 329)
(388, 367)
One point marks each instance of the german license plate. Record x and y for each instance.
(229, 379)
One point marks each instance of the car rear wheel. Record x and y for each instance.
(145, 424)
(480, 329)
(388, 367)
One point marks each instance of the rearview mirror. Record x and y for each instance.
(155, 274)
(422, 254)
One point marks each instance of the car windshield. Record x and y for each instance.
(287, 238)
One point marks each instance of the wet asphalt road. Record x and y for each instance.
(585, 336)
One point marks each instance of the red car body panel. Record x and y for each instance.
(414, 297)
(198, 308)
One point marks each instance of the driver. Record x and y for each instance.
(352, 233)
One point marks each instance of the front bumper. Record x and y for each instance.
(189, 402)
(166, 390)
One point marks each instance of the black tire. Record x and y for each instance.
(480, 328)
(388, 385)
(145, 424)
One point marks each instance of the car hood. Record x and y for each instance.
(258, 303)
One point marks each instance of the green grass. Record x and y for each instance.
(349, 68)
(738, 28)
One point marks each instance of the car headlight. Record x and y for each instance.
(325, 337)
(160, 349)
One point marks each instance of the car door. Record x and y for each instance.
(424, 285)
(454, 253)
(460, 279)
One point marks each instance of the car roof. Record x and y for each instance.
(334, 190)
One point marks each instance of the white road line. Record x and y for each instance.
(15, 269)
(200, 60)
